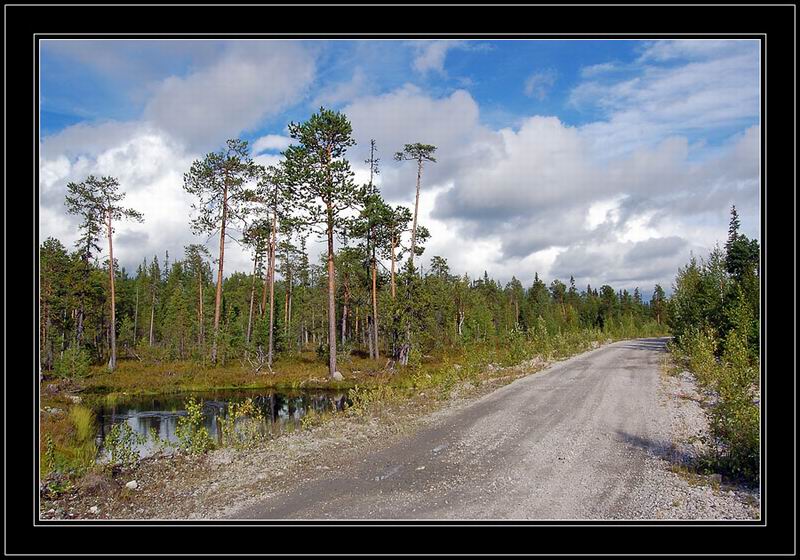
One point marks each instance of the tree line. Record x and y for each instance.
(715, 315)
(348, 302)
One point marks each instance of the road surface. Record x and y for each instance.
(569, 442)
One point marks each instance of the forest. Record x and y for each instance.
(369, 297)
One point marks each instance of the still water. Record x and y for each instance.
(281, 411)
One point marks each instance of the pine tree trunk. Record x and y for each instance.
(201, 325)
(374, 332)
(416, 208)
(252, 298)
(152, 315)
(394, 291)
(272, 288)
(136, 317)
(218, 297)
(369, 339)
(344, 317)
(112, 363)
(331, 298)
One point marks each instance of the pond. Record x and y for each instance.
(281, 411)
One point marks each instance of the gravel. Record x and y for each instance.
(547, 446)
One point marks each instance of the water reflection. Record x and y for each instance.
(282, 412)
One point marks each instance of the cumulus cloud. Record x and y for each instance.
(271, 143)
(621, 200)
(408, 115)
(340, 92)
(253, 80)
(150, 166)
(431, 55)
(536, 198)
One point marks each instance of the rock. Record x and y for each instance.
(338, 376)
(132, 485)
(94, 510)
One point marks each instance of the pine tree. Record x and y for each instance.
(97, 200)
(219, 181)
(419, 153)
(317, 169)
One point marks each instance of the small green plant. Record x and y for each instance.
(366, 400)
(242, 426)
(121, 444)
(159, 444)
(193, 436)
(517, 347)
(311, 419)
(74, 363)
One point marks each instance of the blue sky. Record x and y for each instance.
(552, 152)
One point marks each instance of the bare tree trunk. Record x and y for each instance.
(201, 325)
(152, 315)
(136, 317)
(252, 298)
(331, 298)
(112, 363)
(344, 313)
(393, 261)
(289, 308)
(416, 208)
(272, 288)
(218, 297)
(369, 339)
(265, 289)
(374, 332)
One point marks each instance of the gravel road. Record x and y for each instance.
(587, 438)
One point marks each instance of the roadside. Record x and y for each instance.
(179, 486)
(225, 481)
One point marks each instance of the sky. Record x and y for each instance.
(611, 161)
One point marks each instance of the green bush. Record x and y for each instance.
(518, 349)
(193, 437)
(735, 420)
(74, 363)
(121, 443)
(242, 426)
(700, 346)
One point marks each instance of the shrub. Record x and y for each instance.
(734, 421)
(74, 363)
(366, 400)
(121, 443)
(517, 346)
(193, 437)
(701, 348)
(242, 427)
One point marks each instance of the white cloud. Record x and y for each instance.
(539, 83)
(717, 86)
(431, 54)
(271, 143)
(622, 200)
(253, 80)
(150, 166)
(536, 198)
(340, 92)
